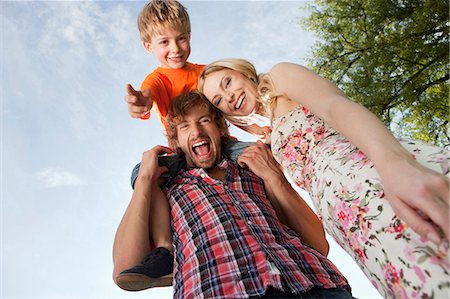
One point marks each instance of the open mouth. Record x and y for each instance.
(201, 149)
(239, 102)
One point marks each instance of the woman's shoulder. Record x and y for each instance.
(280, 66)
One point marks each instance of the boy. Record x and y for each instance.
(165, 31)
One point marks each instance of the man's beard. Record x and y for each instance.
(207, 165)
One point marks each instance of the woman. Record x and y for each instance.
(352, 166)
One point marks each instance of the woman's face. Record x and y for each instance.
(230, 91)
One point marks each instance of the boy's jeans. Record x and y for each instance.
(233, 150)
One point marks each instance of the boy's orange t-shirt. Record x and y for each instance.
(166, 83)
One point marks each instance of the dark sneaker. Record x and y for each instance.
(154, 271)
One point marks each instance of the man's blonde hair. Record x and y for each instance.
(158, 15)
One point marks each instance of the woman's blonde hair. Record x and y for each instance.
(263, 84)
(158, 15)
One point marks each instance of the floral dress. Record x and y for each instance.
(348, 196)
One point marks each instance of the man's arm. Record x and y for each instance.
(298, 215)
(131, 243)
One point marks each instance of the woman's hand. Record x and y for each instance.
(266, 131)
(262, 133)
(419, 196)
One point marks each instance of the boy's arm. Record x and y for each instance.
(139, 102)
(298, 215)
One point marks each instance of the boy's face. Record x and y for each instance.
(171, 48)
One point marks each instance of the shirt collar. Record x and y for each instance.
(223, 164)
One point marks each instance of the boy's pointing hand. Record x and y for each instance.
(139, 102)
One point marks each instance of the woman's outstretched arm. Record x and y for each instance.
(409, 186)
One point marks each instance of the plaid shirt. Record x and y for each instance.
(229, 242)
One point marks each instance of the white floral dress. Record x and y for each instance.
(348, 196)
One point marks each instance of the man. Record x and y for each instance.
(228, 239)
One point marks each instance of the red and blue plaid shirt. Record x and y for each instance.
(229, 242)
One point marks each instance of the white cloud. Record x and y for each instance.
(77, 28)
(280, 39)
(57, 177)
(263, 32)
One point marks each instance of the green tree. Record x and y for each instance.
(391, 56)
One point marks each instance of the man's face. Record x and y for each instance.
(199, 138)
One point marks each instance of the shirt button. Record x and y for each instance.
(203, 175)
(249, 222)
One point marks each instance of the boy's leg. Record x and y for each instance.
(173, 163)
(165, 177)
(156, 269)
(234, 148)
(134, 174)
(159, 221)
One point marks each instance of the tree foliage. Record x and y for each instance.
(391, 56)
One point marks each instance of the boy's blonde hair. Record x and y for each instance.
(158, 15)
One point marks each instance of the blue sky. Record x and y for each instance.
(68, 144)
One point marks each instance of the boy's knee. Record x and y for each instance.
(134, 174)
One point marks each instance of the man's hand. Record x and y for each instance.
(260, 160)
(290, 207)
(149, 170)
(139, 102)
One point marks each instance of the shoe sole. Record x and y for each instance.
(139, 282)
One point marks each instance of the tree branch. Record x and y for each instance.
(432, 83)
(338, 81)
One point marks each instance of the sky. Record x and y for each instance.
(68, 144)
